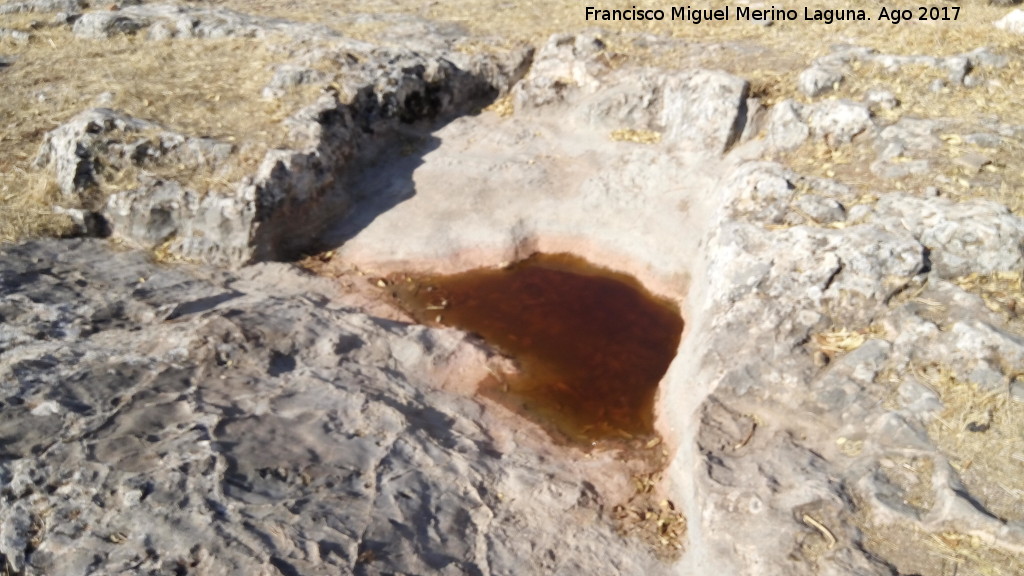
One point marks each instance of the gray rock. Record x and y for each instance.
(821, 210)
(43, 6)
(68, 150)
(707, 109)
(104, 24)
(1017, 390)
(288, 76)
(1012, 22)
(899, 168)
(899, 143)
(882, 98)
(762, 193)
(962, 237)
(563, 63)
(842, 55)
(818, 80)
(117, 141)
(786, 128)
(255, 217)
(164, 21)
(894, 62)
(838, 121)
(985, 57)
(16, 36)
(972, 162)
(704, 109)
(910, 135)
(233, 420)
(959, 67)
(984, 140)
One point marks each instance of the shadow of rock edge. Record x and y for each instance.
(279, 212)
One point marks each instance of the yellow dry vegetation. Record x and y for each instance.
(843, 340)
(636, 136)
(1002, 292)
(981, 431)
(652, 519)
(207, 88)
(912, 550)
(502, 106)
(213, 87)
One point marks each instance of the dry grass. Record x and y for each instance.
(657, 522)
(843, 340)
(502, 106)
(212, 87)
(947, 553)
(1002, 293)
(25, 200)
(636, 136)
(208, 88)
(982, 433)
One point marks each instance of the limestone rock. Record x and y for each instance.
(564, 62)
(16, 36)
(83, 151)
(817, 80)
(240, 423)
(707, 109)
(838, 121)
(762, 192)
(703, 109)
(162, 21)
(105, 24)
(1012, 22)
(882, 98)
(962, 237)
(255, 217)
(984, 56)
(43, 6)
(786, 128)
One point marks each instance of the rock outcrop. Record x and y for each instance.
(847, 386)
(360, 111)
(176, 419)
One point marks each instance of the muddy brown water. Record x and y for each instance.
(590, 345)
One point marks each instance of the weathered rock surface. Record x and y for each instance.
(171, 419)
(836, 122)
(162, 21)
(1012, 22)
(703, 109)
(162, 418)
(817, 80)
(765, 262)
(369, 101)
(43, 6)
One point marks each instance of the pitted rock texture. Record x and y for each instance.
(162, 21)
(158, 419)
(704, 109)
(787, 465)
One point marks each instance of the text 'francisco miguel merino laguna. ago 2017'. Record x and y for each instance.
(727, 13)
